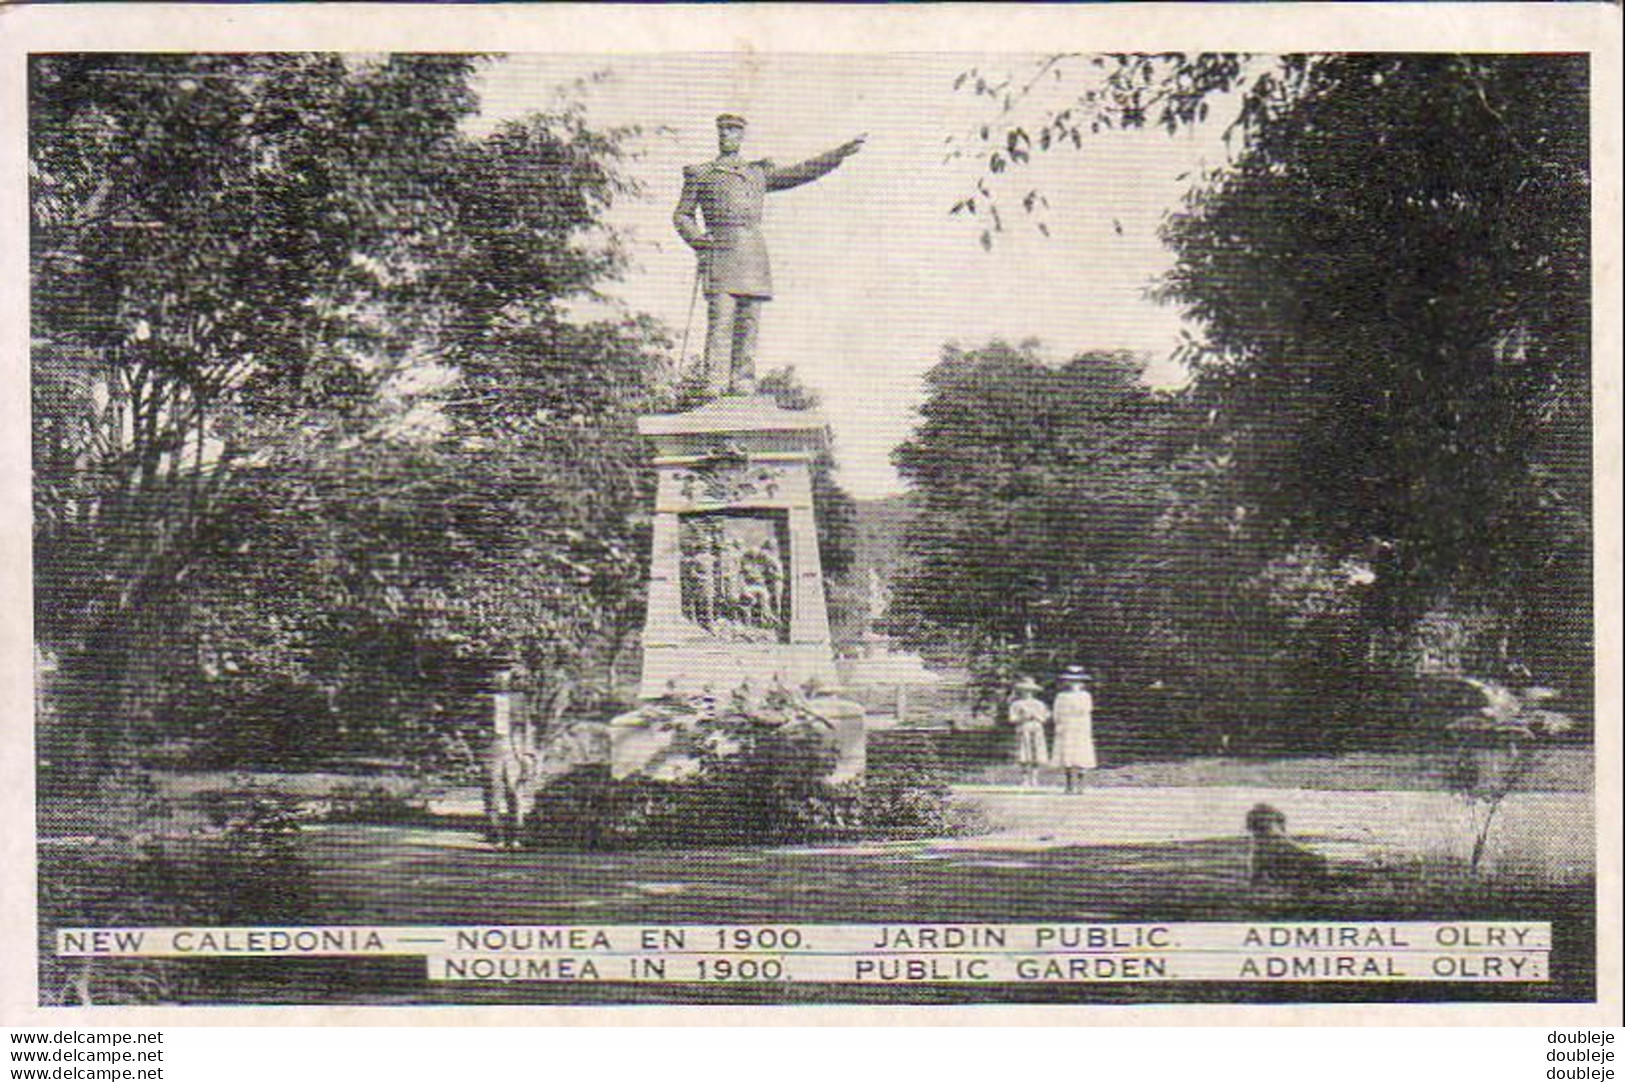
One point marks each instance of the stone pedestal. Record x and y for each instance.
(736, 590)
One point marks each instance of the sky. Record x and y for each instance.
(872, 275)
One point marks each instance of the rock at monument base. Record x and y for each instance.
(666, 742)
(653, 741)
(582, 743)
(848, 732)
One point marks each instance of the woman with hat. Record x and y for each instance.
(1074, 727)
(1028, 714)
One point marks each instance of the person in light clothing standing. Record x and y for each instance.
(1028, 714)
(1074, 727)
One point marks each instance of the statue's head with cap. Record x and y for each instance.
(730, 132)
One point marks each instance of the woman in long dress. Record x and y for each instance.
(1074, 727)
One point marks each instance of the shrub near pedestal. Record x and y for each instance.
(768, 786)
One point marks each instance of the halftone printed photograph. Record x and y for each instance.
(812, 528)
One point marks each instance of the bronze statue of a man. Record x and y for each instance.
(729, 193)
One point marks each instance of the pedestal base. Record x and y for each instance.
(736, 588)
(736, 593)
(664, 742)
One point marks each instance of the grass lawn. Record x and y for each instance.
(1556, 770)
(1072, 863)
(397, 875)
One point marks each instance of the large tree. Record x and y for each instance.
(1394, 284)
(311, 416)
(1390, 281)
(1038, 487)
(221, 263)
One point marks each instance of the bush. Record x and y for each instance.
(143, 863)
(1497, 750)
(360, 802)
(767, 789)
(770, 790)
(905, 790)
(578, 810)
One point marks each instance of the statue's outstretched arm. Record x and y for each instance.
(813, 168)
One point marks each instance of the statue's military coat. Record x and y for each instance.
(730, 195)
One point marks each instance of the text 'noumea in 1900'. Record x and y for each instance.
(885, 953)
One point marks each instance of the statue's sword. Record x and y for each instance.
(693, 296)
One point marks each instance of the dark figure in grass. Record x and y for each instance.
(1275, 859)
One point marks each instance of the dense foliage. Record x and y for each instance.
(1038, 486)
(751, 784)
(318, 443)
(1393, 279)
(1382, 463)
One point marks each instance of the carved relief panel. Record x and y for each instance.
(735, 574)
